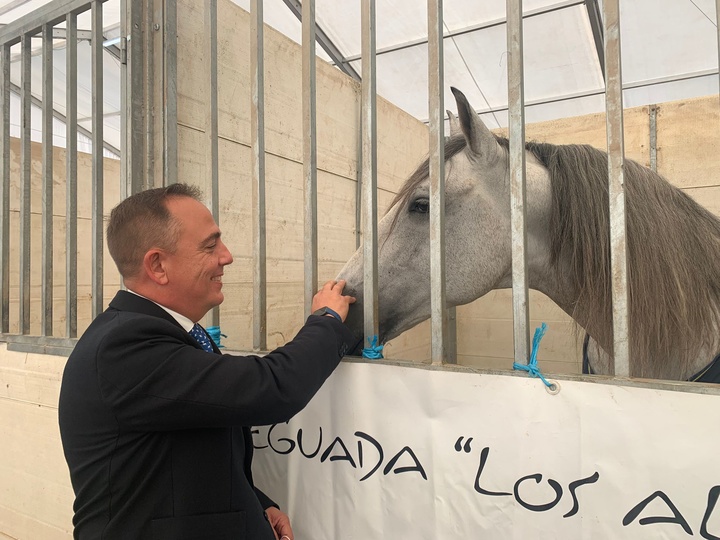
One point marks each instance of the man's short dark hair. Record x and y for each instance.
(141, 222)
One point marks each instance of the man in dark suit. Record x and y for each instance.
(154, 426)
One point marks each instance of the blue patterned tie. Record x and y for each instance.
(201, 337)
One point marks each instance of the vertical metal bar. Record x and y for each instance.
(143, 133)
(5, 189)
(71, 66)
(25, 189)
(97, 157)
(125, 118)
(369, 169)
(359, 177)
(170, 127)
(212, 119)
(47, 190)
(438, 311)
(616, 153)
(257, 133)
(516, 114)
(309, 151)
(137, 125)
(653, 137)
(717, 27)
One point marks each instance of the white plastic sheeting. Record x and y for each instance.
(661, 40)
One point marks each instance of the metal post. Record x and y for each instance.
(170, 126)
(653, 137)
(212, 120)
(369, 169)
(436, 97)
(142, 89)
(47, 189)
(309, 151)
(97, 158)
(257, 134)
(25, 189)
(616, 152)
(71, 176)
(137, 82)
(5, 189)
(717, 27)
(516, 110)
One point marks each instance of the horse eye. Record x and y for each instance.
(421, 206)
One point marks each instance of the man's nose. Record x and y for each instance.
(225, 255)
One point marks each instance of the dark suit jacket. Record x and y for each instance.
(152, 425)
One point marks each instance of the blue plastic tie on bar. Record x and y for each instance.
(532, 367)
(214, 333)
(374, 351)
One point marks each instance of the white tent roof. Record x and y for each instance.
(669, 52)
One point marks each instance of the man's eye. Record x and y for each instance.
(421, 206)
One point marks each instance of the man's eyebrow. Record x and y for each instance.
(210, 238)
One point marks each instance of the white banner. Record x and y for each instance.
(405, 453)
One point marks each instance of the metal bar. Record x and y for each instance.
(359, 178)
(46, 324)
(593, 11)
(137, 82)
(170, 127)
(142, 96)
(516, 103)
(125, 116)
(25, 189)
(5, 190)
(717, 27)
(257, 134)
(616, 153)
(438, 311)
(212, 120)
(325, 42)
(309, 151)
(653, 137)
(97, 159)
(369, 168)
(71, 170)
(473, 28)
(51, 13)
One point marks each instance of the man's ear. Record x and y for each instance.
(154, 266)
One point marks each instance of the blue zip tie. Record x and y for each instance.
(532, 367)
(214, 333)
(374, 351)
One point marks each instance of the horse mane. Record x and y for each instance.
(672, 247)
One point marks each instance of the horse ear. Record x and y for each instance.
(455, 128)
(479, 138)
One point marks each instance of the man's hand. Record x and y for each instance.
(280, 524)
(331, 295)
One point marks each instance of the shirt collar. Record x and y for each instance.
(182, 320)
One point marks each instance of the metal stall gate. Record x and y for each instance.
(87, 68)
(389, 444)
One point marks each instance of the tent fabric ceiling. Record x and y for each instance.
(662, 40)
(669, 52)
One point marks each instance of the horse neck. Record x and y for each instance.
(594, 317)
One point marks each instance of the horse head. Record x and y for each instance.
(478, 230)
